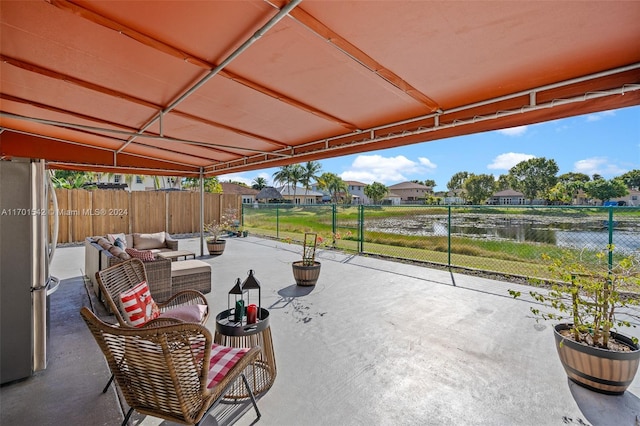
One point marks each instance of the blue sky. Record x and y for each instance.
(606, 143)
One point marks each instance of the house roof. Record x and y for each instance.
(288, 191)
(268, 193)
(508, 193)
(409, 185)
(234, 188)
(354, 183)
(179, 88)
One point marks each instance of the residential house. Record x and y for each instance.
(392, 199)
(507, 197)
(411, 192)
(248, 194)
(302, 195)
(356, 189)
(632, 199)
(450, 198)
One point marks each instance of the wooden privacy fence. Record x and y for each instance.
(83, 213)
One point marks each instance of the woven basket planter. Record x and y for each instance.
(216, 248)
(599, 370)
(306, 275)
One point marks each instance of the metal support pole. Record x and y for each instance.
(201, 211)
(277, 221)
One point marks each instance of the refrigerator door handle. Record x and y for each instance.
(53, 285)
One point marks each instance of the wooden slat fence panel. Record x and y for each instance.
(84, 213)
(110, 213)
(182, 212)
(149, 211)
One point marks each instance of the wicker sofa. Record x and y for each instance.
(165, 277)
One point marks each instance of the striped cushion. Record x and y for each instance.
(138, 305)
(223, 358)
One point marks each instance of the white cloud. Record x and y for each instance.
(598, 165)
(600, 115)
(427, 163)
(514, 131)
(386, 170)
(508, 160)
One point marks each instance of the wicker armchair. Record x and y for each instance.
(123, 276)
(158, 273)
(166, 371)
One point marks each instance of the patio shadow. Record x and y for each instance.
(601, 409)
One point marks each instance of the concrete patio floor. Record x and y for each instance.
(375, 342)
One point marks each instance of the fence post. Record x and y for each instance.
(361, 229)
(610, 237)
(449, 237)
(333, 224)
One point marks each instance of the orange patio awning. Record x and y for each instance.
(176, 87)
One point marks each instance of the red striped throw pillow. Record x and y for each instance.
(223, 358)
(138, 305)
(144, 255)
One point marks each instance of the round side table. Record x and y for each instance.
(262, 372)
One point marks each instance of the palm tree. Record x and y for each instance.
(310, 172)
(259, 183)
(289, 175)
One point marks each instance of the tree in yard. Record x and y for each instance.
(503, 182)
(534, 177)
(376, 192)
(69, 179)
(479, 187)
(309, 173)
(211, 184)
(604, 190)
(568, 186)
(427, 182)
(259, 183)
(632, 179)
(560, 193)
(333, 184)
(456, 183)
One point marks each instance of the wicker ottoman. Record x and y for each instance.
(192, 275)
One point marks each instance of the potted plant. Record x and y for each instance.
(307, 270)
(588, 301)
(215, 244)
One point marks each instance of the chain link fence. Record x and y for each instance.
(508, 240)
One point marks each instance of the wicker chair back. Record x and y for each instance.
(162, 371)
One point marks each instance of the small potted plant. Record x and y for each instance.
(591, 290)
(215, 244)
(307, 270)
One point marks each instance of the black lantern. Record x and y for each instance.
(238, 302)
(249, 286)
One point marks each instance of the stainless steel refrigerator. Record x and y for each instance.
(27, 244)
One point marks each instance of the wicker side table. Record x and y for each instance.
(262, 372)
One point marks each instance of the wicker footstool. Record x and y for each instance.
(190, 275)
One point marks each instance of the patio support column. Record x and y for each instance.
(201, 211)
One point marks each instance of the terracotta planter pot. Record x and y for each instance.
(599, 370)
(216, 248)
(306, 275)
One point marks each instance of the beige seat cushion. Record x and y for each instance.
(188, 267)
(148, 241)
